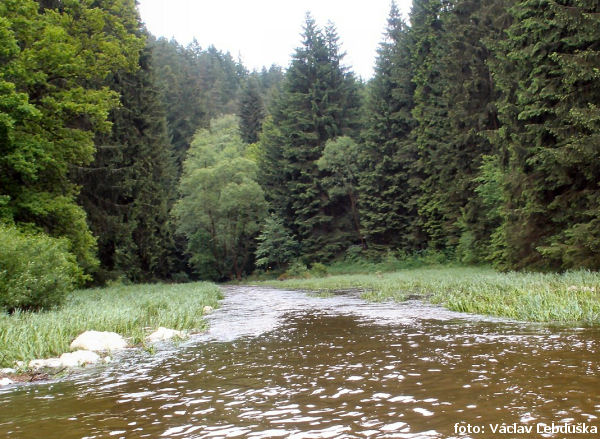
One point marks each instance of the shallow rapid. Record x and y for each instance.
(290, 364)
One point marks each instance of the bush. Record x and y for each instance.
(318, 270)
(36, 271)
(297, 270)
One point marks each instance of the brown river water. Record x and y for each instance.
(289, 364)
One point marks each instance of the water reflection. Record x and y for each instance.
(286, 364)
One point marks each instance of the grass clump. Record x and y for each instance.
(571, 297)
(131, 311)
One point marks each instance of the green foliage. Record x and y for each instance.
(470, 27)
(222, 206)
(251, 111)
(276, 245)
(53, 102)
(297, 269)
(547, 70)
(388, 178)
(128, 190)
(339, 162)
(430, 111)
(131, 311)
(319, 101)
(318, 270)
(197, 85)
(570, 298)
(36, 271)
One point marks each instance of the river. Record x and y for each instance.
(290, 364)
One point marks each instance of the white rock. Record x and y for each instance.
(207, 309)
(164, 334)
(79, 358)
(8, 371)
(5, 382)
(107, 359)
(52, 363)
(99, 341)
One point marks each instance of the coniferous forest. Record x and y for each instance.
(123, 156)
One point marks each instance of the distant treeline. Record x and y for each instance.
(478, 137)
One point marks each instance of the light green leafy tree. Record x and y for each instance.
(222, 206)
(339, 161)
(52, 103)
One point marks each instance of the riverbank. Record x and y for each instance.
(131, 311)
(568, 298)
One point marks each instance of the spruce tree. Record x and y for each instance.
(319, 101)
(431, 116)
(128, 190)
(388, 156)
(547, 69)
(469, 90)
(251, 112)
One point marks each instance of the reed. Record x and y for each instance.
(566, 298)
(132, 311)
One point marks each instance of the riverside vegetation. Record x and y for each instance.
(571, 298)
(132, 311)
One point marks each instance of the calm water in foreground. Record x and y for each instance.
(287, 364)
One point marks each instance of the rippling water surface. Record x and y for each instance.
(288, 364)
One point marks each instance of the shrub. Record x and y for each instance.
(36, 271)
(297, 270)
(318, 270)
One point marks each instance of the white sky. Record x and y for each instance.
(265, 32)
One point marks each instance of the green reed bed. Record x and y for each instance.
(132, 311)
(571, 297)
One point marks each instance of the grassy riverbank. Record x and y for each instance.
(572, 297)
(131, 311)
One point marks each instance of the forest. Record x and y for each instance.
(127, 157)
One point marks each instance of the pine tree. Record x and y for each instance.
(251, 112)
(128, 190)
(319, 101)
(431, 116)
(196, 85)
(388, 156)
(547, 69)
(470, 93)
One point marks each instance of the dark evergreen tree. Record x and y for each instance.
(196, 86)
(388, 156)
(431, 116)
(470, 93)
(270, 81)
(251, 112)
(547, 69)
(129, 188)
(319, 101)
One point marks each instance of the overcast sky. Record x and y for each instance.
(265, 32)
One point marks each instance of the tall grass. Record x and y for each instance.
(571, 297)
(131, 311)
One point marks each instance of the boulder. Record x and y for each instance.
(51, 363)
(207, 309)
(5, 381)
(164, 334)
(79, 358)
(99, 341)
